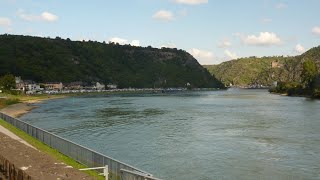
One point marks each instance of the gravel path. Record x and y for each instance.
(16, 110)
(35, 163)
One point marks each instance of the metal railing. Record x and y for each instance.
(105, 171)
(129, 175)
(77, 152)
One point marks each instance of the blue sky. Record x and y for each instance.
(212, 31)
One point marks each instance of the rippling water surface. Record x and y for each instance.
(234, 134)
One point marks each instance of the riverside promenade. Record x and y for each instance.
(33, 162)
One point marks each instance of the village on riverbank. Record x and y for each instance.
(16, 85)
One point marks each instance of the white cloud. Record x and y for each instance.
(119, 40)
(169, 45)
(191, 2)
(264, 39)
(281, 6)
(224, 44)
(299, 49)
(44, 16)
(163, 15)
(316, 30)
(203, 56)
(122, 41)
(135, 43)
(197, 53)
(266, 20)
(49, 17)
(5, 21)
(230, 55)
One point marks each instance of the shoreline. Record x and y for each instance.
(25, 106)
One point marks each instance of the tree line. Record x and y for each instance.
(309, 86)
(50, 60)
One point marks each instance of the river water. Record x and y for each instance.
(233, 134)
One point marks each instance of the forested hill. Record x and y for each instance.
(45, 60)
(264, 70)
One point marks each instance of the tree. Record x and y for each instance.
(309, 72)
(7, 82)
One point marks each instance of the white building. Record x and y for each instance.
(34, 87)
(112, 86)
(100, 86)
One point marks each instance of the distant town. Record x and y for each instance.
(31, 87)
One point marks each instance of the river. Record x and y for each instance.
(232, 134)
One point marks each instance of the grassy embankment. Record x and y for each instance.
(46, 149)
(7, 100)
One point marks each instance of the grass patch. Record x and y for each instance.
(8, 101)
(24, 97)
(48, 150)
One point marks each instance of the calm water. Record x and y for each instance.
(234, 134)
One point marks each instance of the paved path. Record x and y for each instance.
(14, 111)
(36, 163)
(13, 136)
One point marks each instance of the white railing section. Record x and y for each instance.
(105, 171)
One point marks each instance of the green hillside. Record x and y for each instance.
(254, 70)
(45, 59)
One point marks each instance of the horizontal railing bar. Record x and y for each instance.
(149, 176)
(85, 169)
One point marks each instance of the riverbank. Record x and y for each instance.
(295, 89)
(23, 104)
(295, 95)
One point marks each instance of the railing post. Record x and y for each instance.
(106, 172)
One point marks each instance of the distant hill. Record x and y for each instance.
(45, 59)
(264, 70)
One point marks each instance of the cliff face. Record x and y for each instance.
(265, 70)
(45, 59)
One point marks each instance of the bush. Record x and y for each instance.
(290, 88)
(13, 92)
(316, 93)
(7, 102)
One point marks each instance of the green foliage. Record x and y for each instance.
(253, 70)
(309, 73)
(8, 101)
(290, 88)
(244, 71)
(7, 82)
(316, 93)
(44, 60)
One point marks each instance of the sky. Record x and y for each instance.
(213, 31)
